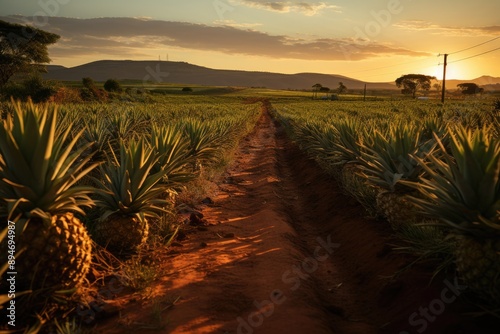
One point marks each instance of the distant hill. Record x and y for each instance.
(52, 68)
(185, 73)
(485, 81)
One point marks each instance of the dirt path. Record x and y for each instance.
(226, 284)
(287, 252)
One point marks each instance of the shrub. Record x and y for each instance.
(94, 94)
(497, 105)
(112, 85)
(88, 83)
(33, 87)
(66, 95)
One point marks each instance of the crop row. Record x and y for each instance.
(115, 169)
(432, 171)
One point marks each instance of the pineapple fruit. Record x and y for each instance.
(129, 194)
(386, 161)
(463, 192)
(396, 207)
(39, 171)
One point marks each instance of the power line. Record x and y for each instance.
(420, 60)
(477, 55)
(426, 59)
(475, 46)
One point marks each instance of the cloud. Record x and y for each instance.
(131, 37)
(307, 8)
(420, 25)
(234, 24)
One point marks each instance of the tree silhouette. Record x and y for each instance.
(437, 86)
(316, 88)
(325, 90)
(88, 83)
(22, 48)
(412, 83)
(112, 85)
(470, 88)
(341, 89)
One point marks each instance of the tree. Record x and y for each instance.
(341, 89)
(316, 88)
(22, 48)
(88, 83)
(412, 83)
(33, 87)
(470, 88)
(437, 86)
(112, 85)
(325, 90)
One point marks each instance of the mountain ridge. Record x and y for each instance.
(186, 73)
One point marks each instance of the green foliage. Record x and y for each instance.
(341, 89)
(39, 165)
(204, 139)
(88, 83)
(33, 87)
(126, 184)
(112, 85)
(138, 275)
(390, 148)
(470, 88)
(428, 242)
(463, 188)
(412, 83)
(388, 158)
(93, 94)
(21, 47)
(172, 149)
(496, 105)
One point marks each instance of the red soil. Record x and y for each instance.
(287, 252)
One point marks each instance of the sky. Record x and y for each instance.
(373, 41)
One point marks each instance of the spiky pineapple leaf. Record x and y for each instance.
(127, 186)
(39, 166)
(463, 186)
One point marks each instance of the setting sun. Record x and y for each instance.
(453, 71)
(373, 42)
(250, 166)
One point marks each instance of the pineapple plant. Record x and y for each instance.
(205, 139)
(462, 191)
(39, 173)
(349, 134)
(129, 194)
(172, 149)
(389, 159)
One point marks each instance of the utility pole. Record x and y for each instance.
(444, 77)
(364, 93)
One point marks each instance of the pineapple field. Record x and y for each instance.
(230, 213)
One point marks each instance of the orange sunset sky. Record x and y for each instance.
(373, 41)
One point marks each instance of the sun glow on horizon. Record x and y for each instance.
(453, 71)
